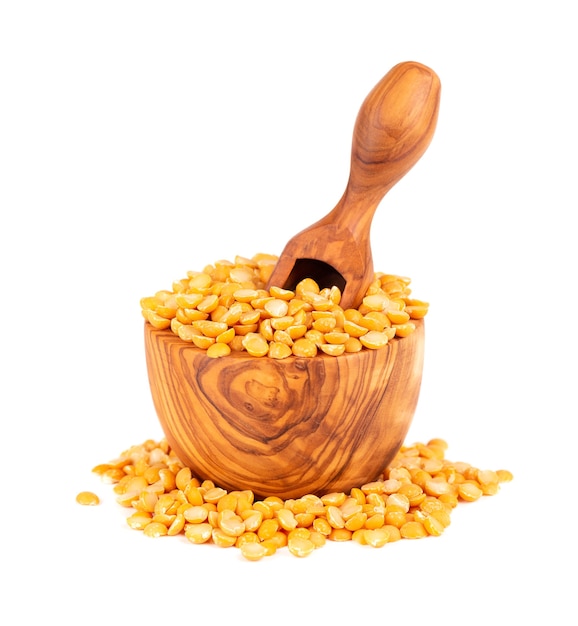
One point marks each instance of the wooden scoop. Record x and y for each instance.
(394, 127)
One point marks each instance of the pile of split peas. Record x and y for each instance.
(412, 498)
(226, 308)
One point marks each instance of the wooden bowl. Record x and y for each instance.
(285, 427)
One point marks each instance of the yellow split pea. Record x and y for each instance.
(412, 498)
(226, 307)
(87, 498)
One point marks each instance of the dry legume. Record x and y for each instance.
(412, 498)
(226, 308)
(87, 498)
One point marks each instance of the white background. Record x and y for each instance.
(139, 140)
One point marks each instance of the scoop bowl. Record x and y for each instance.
(286, 427)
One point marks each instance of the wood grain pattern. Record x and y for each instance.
(393, 129)
(287, 427)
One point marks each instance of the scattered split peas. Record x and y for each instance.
(226, 308)
(411, 499)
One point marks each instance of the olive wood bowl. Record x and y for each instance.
(286, 427)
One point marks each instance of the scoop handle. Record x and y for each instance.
(394, 127)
